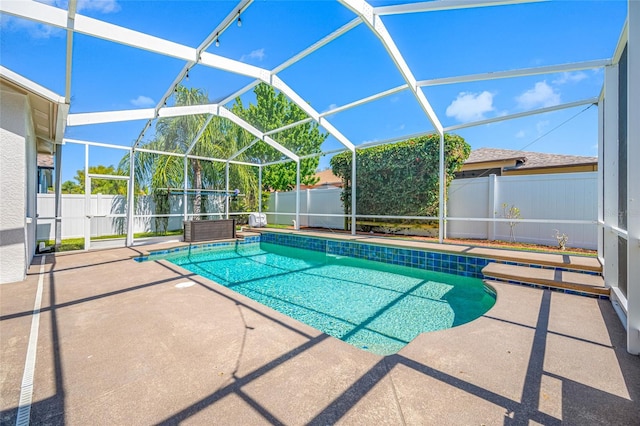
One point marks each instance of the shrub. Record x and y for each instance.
(400, 179)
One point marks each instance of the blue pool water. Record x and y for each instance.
(374, 306)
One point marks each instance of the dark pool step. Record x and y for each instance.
(555, 278)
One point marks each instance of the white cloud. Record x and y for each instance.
(34, 29)
(570, 77)
(330, 107)
(254, 54)
(520, 134)
(542, 95)
(541, 126)
(41, 31)
(401, 127)
(143, 101)
(102, 6)
(470, 106)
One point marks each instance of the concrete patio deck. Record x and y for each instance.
(119, 343)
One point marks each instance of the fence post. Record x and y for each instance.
(297, 223)
(58, 198)
(308, 209)
(131, 200)
(493, 208)
(276, 218)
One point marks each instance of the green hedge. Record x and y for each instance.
(400, 179)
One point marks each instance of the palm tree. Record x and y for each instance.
(220, 139)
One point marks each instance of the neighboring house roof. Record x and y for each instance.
(45, 161)
(509, 159)
(327, 178)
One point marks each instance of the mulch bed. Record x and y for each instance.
(480, 243)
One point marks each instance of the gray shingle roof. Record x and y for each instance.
(45, 160)
(527, 159)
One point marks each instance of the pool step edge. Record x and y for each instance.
(554, 279)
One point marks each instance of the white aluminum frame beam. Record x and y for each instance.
(131, 181)
(221, 160)
(433, 6)
(523, 72)
(277, 83)
(111, 32)
(109, 177)
(154, 151)
(241, 150)
(71, 15)
(345, 107)
(198, 157)
(223, 112)
(297, 57)
(235, 12)
(87, 118)
(239, 92)
(610, 178)
(342, 108)
(398, 139)
(363, 101)
(100, 144)
(317, 45)
(624, 36)
(593, 100)
(289, 126)
(214, 109)
(633, 176)
(368, 15)
(199, 134)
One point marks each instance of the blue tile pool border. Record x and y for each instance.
(467, 266)
(451, 263)
(159, 254)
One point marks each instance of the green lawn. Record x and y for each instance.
(70, 244)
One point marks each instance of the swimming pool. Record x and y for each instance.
(372, 305)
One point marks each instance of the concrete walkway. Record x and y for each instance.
(120, 344)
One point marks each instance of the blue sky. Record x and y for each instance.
(108, 76)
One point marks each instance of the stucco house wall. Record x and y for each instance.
(18, 174)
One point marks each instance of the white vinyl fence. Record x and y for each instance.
(103, 209)
(562, 196)
(566, 196)
(321, 201)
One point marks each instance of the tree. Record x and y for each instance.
(512, 214)
(163, 173)
(98, 186)
(271, 111)
(71, 187)
(220, 138)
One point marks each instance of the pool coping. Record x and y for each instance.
(576, 262)
(408, 253)
(558, 261)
